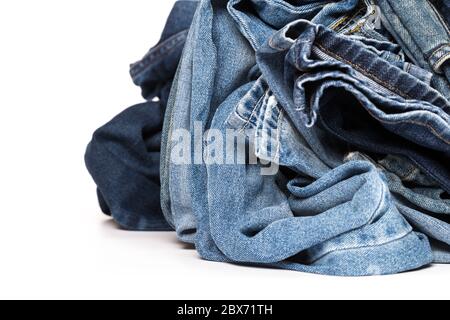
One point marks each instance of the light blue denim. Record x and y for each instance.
(343, 223)
(314, 71)
(419, 198)
(423, 34)
(320, 213)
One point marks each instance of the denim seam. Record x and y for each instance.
(367, 223)
(398, 37)
(363, 247)
(435, 133)
(441, 61)
(247, 121)
(408, 67)
(356, 25)
(159, 51)
(279, 127)
(432, 222)
(338, 22)
(441, 47)
(294, 9)
(413, 39)
(438, 15)
(244, 25)
(282, 5)
(348, 19)
(365, 72)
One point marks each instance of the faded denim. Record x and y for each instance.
(419, 198)
(299, 225)
(423, 34)
(325, 93)
(382, 108)
(257, 224)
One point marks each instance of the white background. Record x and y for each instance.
(63, 73)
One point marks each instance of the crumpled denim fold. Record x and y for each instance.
(426, 43)
(124, 155)
(382, 109)
(419, 198)
(342, 125)
(343, 223)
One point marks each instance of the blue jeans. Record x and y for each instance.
(381, 108)
(424, 35)
(124, 155)
(343, 223)
(233, 213)
(420, 200)
(339, 138)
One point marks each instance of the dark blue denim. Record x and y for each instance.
(443, 7)
(124, 155)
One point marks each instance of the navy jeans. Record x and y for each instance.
(124, 155)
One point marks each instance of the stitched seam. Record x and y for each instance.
(441, 47)
(156, 53)
(438, 15)
(279, 122)
(252, 114)
(339, 22)
(303, 9)
(364, 72)
(383, 189)
(243, 24)
(413, 122)
(364, 247)
(441, 61)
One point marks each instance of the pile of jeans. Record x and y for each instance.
(309, 135)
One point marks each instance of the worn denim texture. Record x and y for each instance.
(343, 223)
(419, 198)
(422, 32)
(345, 100)
(124, 155)
(381, 108)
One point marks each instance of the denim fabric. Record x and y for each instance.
(339, 142)
(444, 8)
(218, 73)
(256, 225)
(423, 203)
(419, 199)
(208, 73)
(420, 30)
(124, 155)
(298, 225)
(382, 109)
